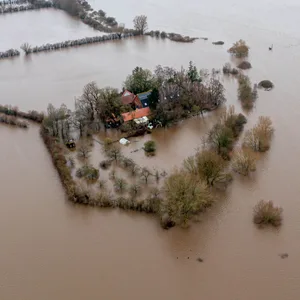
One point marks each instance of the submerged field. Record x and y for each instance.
(54, 249)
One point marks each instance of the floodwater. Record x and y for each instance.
(51, 249)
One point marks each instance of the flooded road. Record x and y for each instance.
(51, 249)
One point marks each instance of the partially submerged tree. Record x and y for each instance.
(145, 174)
(239, 49)
(208, 166)
(83, 150)
(108, 105)
(265, 212)
(26, 48)
(244, 162)
(120, 185)
(114, 153)
(220, 138)
(141, 80)
(259, 137)
(87, 172)
(184, 197)
(140, 24)
(193, 73)
(57, 121)
(233, 120)
(134, 190)
(247, 95)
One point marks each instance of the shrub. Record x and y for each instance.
(244, 162)
(218, 43)
(112, 175)
(266, 84)
(227, 68)
(107, 143)
(102, 184)
(163, 35)
(105, 164)
(150, 147)
(71, 162)
(258, 138)
(185, 197)
(246, 94)
(266, 213)
(11, 120)
(104, 200)
(244, 65)
(239, 49)
(88, 172)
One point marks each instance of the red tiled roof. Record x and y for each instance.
(136, 114)
(127, 97)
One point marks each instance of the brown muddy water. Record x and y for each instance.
(51, 249)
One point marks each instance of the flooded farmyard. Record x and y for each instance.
(52, 248)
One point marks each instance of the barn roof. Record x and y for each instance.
(136, 114)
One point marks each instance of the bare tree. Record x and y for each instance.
(26, 48)
(83, 150)
(114, 153)
(145, 174)
(120, 185)
(134, 190)
(140, 24)
(88, 100)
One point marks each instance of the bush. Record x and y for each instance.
(11, 120)
(239, 49)
(218, 43)
(71, 162)
(150, 147)
(105, 164)
(227, 69)
(266, 84)
(245, 65)
(246, 94)
(102, 184)
(244, 162)
(88, 173)
(266, 213)
(163, 35)
(259, 137)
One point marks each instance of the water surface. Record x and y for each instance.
(51, 249)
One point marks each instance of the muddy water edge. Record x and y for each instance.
(51, 249)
